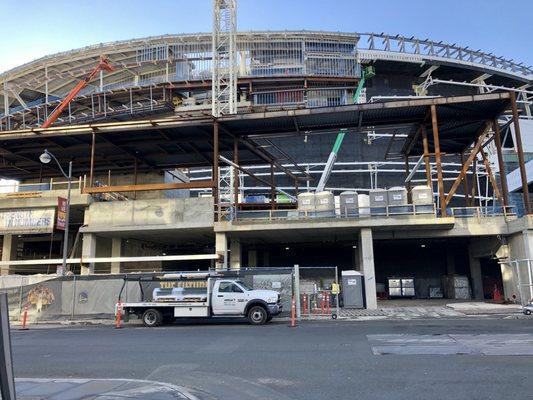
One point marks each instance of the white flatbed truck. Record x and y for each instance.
(195, 295)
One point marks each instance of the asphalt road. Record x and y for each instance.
(423, 359)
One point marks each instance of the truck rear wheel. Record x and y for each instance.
(257, 315)
(152, 317)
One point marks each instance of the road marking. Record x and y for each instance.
(453, 344)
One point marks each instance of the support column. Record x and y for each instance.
(235, 259)
(501, 165)
(436, 145)
(9, 252)
(407, 184)
(91, 170)
(475, 275)
(426, 156)
(88, 249)
(272, 188)
(221, 247)
(116, 251)
(520, 151)
(465, 183)
(366, 265)
(215, 170)
(236, 174)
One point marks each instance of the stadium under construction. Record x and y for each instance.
(393, 156)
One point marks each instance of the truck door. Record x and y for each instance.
(228, 298)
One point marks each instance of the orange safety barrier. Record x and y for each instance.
(304, 300)
(119, 312)
(328, 309)
(24, 326)
(293, 313)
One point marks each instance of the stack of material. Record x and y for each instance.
(401, 287)
(456, 287)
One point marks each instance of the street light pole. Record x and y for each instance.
(67, 216)
(45, 158)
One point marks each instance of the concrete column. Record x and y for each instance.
(116, 251)
(252, 258)
(475, 275)
(9, 252)
(366, 263)
(221, 248)
(88, 249)
(235, 254)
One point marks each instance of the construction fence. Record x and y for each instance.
(95, 296)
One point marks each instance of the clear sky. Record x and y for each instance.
(34, 28)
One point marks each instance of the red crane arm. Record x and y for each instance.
(103, 65)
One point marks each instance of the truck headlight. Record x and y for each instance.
(272, 300)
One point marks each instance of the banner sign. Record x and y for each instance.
(61, 220)
(40, 220)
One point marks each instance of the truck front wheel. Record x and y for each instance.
(257, 315)
(152, 317)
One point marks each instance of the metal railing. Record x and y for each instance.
(20, 189)
(490, 211)
(265, 214)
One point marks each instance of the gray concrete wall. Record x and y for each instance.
(171, 213)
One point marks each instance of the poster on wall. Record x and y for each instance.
(61, 213)
(27, 221)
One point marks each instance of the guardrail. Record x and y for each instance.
(367, 212)
(49, 185)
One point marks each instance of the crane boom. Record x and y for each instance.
(368, 73)
(103, 65)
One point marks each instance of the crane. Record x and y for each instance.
(103, 65)
(368, 73)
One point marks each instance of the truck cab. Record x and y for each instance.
(190, 296)
(231, 297)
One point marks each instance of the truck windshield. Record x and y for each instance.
(244, 285)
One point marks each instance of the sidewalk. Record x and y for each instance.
(449, 310)
(98, 389)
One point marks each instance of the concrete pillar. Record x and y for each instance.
(475, 275)
(221, 248)
(116, 251)
(235, 254)
(252, 258)
(9, 252)
(366, 263)
(88, 249)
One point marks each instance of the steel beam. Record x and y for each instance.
(149, 187)
(492, 180)
(501, 164)
(520, 151)
(426, 156)
(465, 167)
(436, 145)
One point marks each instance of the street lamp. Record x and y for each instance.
(45, 158)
